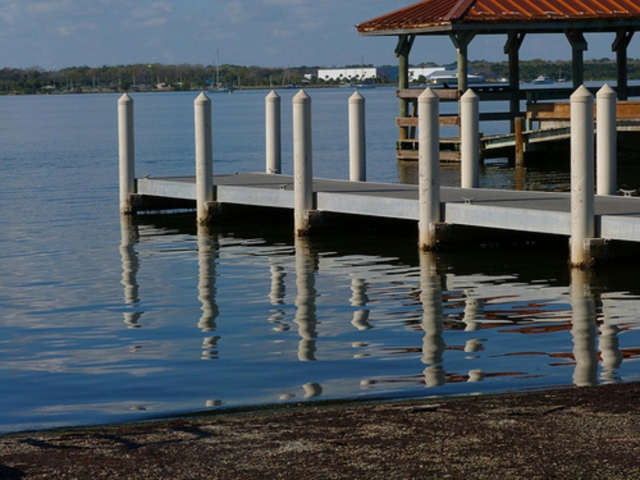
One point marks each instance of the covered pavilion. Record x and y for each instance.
(463, 20)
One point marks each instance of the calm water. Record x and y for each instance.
(105, 320)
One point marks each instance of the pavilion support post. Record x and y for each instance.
(405, 42)
(470, 140)
(518, 123)
(461, 41)
(204, 159)
(582, 182)
(429, 168)
(606, 144)
(578, 47)
(302, 164)
(357, 139)
(126, 153)
(273, 133)
(512, 49)
(620, 46)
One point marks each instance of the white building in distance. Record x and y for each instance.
(364, 74)
(348, 74)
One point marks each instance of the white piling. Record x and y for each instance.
(204, 157)
(126, 152)
(357, 139)
(607, 142)
(429, 168)
(273, 133)
(470, 140)
(302, 163)
(582, 182)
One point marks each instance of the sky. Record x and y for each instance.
(54, 34)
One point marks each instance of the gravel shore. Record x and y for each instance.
(579, 433)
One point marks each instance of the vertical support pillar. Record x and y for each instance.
(204, 158)
(126, 149)
(405, 42)
(607, 142)
(512, 49)
(470, 140)
(357, 139)
(429, 168)
(582, 184)
(273, 133)
(461, 41)
(302, 163)
(518, 123)
(620, 46)
(578, 46)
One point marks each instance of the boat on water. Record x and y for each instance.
(217, 88)
(542, 80)
(450, 79)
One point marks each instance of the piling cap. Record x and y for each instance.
(273, 95)
(125, 98)
(202, 98)
(469, 96)
(301, 97)
(356, 98)
(582, 94)
(428, 96)
(607, 92)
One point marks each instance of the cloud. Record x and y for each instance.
(46, 8)
(9, 12)
(154, 15)
(68, 30)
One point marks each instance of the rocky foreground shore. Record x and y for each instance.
(575, 433)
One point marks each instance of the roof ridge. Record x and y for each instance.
(459, 9)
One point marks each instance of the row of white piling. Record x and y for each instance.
(582, 157)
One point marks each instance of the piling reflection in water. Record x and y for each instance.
(207, 255)
(130, 265)
(433, 344)
(277, 294)
(305, 299)
(583, 329)
(475, 329)
(359, 299)
(609, 346)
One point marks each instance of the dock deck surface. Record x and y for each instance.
(617, 217)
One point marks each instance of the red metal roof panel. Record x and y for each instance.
(434, 13)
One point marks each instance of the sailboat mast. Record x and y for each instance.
(217, 68)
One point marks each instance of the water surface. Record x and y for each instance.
(104, 319)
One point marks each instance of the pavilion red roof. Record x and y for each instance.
(435, 14)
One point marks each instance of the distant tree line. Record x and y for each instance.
(157, 76)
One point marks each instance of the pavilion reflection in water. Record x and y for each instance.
(448, 302)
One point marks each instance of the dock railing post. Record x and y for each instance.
(582, 181)
(429, 168)
(302, 163)
(126, 149)
(273, 133)
(519, 139)
(204, 158)
(357, 139)
(606, 141)
(470, 140)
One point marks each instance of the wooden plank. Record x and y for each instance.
(626, 110)
(443, 93)
(445, 120)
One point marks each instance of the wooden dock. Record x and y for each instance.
(547, 122)
(617, 217)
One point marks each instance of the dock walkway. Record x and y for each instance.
(617, 217)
